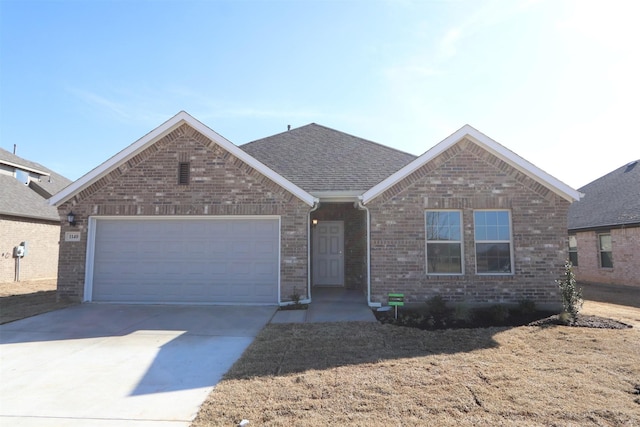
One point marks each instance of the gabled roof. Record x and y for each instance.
(488, 144)
(10, 159)
(157, 134)
(609, 201)
(29, 201)
(325, 161)
(17, 199)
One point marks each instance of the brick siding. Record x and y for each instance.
(625, 253)
(467, 177)
(220, 184)
(41, 261)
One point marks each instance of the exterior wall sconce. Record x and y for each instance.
(314, 222)
(71, 217)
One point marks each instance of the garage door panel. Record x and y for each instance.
(184, 260)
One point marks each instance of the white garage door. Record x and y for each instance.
(203, 260)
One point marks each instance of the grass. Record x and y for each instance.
(28, 298)
(372, 374)
(363, 374)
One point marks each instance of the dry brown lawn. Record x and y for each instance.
(28, 298)
(363, 374)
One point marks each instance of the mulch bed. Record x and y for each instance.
(582, 321)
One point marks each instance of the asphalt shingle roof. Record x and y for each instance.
(611, 200)
(18, 199)
(317, 158)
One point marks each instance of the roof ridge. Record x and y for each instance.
(365, 140)
(629, 165)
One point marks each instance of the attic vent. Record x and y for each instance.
(630, 166)
(183, 173)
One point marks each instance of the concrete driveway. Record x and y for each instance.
(119, 365)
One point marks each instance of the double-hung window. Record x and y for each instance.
(493, 242)
(605, 248)
(573, 250)
(444, 242)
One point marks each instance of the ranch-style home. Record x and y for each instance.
(184, 216)
(27, 222)
(604, 229)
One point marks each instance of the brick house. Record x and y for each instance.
(604, 229)
(25, 216)
(183, 215)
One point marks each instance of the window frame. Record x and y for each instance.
(573, 250)
(477, 241)
(460, 242)
(601, 251)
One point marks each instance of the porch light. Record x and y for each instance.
(314, 222)
(71, 217)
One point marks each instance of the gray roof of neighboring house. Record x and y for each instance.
(30, 201)
(317, 158)
(609, 201)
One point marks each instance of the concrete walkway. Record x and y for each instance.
(330, 305)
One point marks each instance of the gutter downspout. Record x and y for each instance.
(316, 205)
(359, 205)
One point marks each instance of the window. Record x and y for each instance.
(183, 173)
(604, 248)
(493, 242)
(444, 242)
(573, 250)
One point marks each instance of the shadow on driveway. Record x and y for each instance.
(132, 362)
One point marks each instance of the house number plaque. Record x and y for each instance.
(72, 236)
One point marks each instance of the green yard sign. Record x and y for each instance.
(396, 300)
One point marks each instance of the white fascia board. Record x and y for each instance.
(24, 168)
(251, 161)
(467, 131)
(524, 166)
(159, 132)
(338, 196)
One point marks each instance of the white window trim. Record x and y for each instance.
(600, 251)
(427, 241)
(575, 248)
(510, 241)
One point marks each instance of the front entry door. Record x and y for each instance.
(328, 253)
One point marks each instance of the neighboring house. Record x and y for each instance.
(604, 229)
(184, 216)
(25, 216)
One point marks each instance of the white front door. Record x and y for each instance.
(328, 253)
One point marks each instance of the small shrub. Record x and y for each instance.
(498, 313)
(526, 307)
(295, 297)
(438, 313)
(461, 313)
(570, 293)
(494, 315)
(437, 307)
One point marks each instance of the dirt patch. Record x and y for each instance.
(27, 287)
(19, 300)
(613, 294)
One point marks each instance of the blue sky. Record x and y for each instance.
(556, 81)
